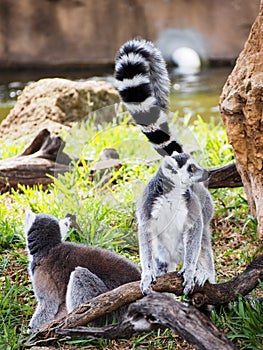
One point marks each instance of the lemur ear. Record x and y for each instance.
(64, 225)
(29, 219)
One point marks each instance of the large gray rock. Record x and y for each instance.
(55, 104)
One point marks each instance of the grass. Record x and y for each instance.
(105, 212)
(243, 321)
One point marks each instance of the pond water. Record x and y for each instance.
(198, 94)
(190, 94)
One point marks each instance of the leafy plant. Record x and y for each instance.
(243, 321)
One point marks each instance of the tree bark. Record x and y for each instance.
(43, 157)
(160, 310)
(212, 294)
(242, 112)
(225, 176)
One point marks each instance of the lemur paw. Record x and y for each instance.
(189, 282)
(201, 276)
(146, 281)
(188, 286)
(32, 329)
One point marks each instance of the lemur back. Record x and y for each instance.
(58, 269)
(175, 210)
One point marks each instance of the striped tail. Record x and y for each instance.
(143, 84)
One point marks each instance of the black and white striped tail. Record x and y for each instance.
(143, 84)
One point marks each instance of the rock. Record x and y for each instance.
(56, 104)
(242, 112)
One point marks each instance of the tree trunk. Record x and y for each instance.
(242, 112)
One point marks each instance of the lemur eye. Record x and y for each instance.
(191, 168)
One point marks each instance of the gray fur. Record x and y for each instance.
(174, 225)
(176, 209)
(58, 267)
(83, 285)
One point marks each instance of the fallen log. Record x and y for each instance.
(160, 310)
(42, 158)
(211, 294)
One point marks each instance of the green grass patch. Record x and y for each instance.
(242, 320)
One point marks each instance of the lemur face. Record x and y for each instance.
(182, 165)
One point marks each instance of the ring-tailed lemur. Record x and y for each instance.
(66, 274)
(175, 210)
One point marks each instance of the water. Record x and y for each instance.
(191, 94)
(8, 95)
(198, 94)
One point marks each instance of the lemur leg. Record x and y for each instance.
(83, 285)
(146, 257)
(162, 257)
(192, 246)
(47, 308)
(205, 266)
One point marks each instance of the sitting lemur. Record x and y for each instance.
(65, 274)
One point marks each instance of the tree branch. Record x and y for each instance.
(160, 310)
(225, 176)
(214, 294)
(36, 144)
